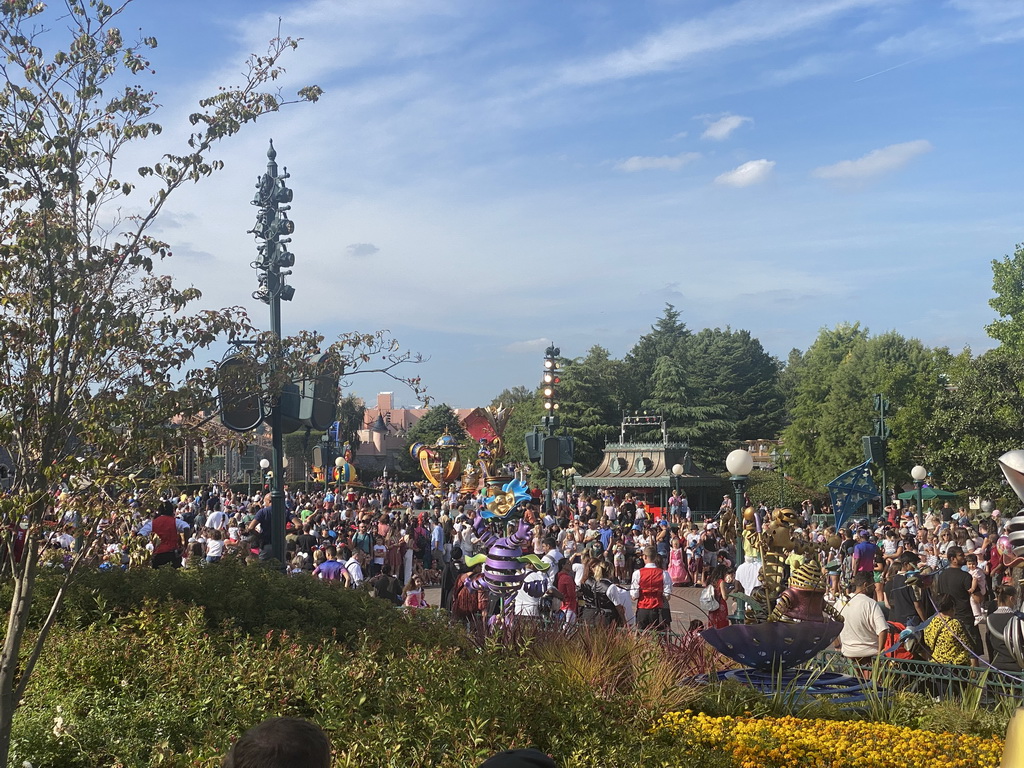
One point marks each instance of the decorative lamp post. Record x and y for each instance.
(265, 466)
(986, 506)
(677, 477)
(739, 463)
(919, 474)
(569, 474)
(780, 459)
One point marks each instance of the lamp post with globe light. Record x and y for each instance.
(739, 463)
(919, 474)
(267, 474)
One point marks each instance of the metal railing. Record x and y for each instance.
(930, 678)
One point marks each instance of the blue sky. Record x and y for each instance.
(483, 177)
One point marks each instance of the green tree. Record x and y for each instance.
(691, 417)
(736, 371)
(1008, 302)
(834, 407)
(527, 411)
(589, 410)
(667, 337)
(978, 416)
(513, 396)
(97, 345)
(810, 378)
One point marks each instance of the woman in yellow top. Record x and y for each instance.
(946, 638)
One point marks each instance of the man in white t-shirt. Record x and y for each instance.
(864, 625)
(217, 520)
(535, 586)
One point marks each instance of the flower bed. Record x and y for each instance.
(790, 741)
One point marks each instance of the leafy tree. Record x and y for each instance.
(96, 343)
(978, 416)
(834, 408)
(691, 418)
(513, 396)
(667, 337)
(527, 411)
(1008, 285)
(811, 378)
(735, 370)
(588, 408)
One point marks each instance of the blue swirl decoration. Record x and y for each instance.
(503, 505)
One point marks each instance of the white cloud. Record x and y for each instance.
(361, 250)
(665, 162)
(722, 128)
(530, 346)
(748, 174)
(875, 162)
(740, 24)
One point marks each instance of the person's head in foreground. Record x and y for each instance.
(281, 742)
(519, 758)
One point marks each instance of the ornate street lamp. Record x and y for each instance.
(739, 463)
(919, 473)
(569, 475)
(780, 459)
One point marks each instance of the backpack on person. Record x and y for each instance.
(708, 601)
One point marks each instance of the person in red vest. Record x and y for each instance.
(651, 588)
(171, 532)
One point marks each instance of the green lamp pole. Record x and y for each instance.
(780, 460)
(919, 474)
(739, 464)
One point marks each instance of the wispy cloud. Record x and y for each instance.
(743, 23)
(663, 163)
(723, 127)
(361, 250)
(747, 175)
(874, 163)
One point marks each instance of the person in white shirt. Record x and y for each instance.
(552, 555)
(864, 625)
(354, 567)
(535, 586)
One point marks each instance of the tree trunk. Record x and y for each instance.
(17, 622)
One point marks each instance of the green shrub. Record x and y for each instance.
(252, 599)
(157, 687)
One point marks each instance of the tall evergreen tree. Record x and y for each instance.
(732, 368)
(588, 407)
(691, 418)
(667, 337)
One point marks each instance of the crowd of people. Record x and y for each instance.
(605, 558)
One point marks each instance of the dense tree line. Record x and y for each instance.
(953, 413)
